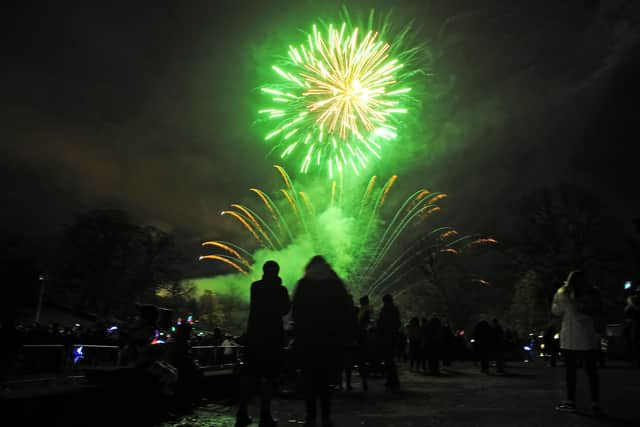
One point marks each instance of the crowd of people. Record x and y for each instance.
(36, 333)
(323, 350)
(35, 348)
(432, 344)
(322, 347)
(330, 337)
(326, 348)
(38, 349)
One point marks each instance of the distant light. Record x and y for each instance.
(78, 355)
(540, 336)
(556, 337)
(472, 340)
(542, 346)
(113, 328)
(526, 348)
(627, 284)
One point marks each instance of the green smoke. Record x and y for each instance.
(333, 238)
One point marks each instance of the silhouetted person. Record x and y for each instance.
(181, 344)
(151, 377)
(424, 323)
(579, 303)
(448, 343)
(401, 348)
(182, 358)
(365, 344)
(229, 346)
(483, 340)
(632, 314)
(139, 351)
(433, 344)
(351, 349)
(269, 302)
(388, 328)
(415, 342)
(321, 309)
(498, 345)
(217, 337)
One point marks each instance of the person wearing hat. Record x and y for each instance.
(388, 329)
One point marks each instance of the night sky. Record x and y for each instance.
(150, 108)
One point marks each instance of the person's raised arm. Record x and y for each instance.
(558, 306)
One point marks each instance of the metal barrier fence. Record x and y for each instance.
(37, 360)
(215, 356)
(84, 356)
(57, 360)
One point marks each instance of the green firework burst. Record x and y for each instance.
(340, 97)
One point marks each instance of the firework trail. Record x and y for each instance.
(369, 244)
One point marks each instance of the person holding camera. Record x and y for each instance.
(632, 314)
(579, 304)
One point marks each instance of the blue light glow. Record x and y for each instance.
(77, 352)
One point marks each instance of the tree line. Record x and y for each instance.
(100, 266)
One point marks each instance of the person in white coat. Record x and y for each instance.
(579, 305)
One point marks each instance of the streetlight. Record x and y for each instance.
(41, 278)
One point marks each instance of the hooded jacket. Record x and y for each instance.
(632, 312)
(578, 331)
(322, 309)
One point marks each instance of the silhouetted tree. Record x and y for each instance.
(236, 311)
(177, 289)
(161, 260)
(180, 296)
(559, 231)
(107, 263)
(19, 271)
(210, 309)
(529, 310)
(449, 285)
